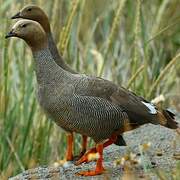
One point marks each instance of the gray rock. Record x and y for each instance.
(161, 139)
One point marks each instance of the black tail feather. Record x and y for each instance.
(171, 114)
(120, 141)
(170, 117)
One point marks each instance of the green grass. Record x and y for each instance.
(133, 43)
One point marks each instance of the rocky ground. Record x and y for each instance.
(159, 146)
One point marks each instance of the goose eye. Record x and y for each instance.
(24, 25)
(29, 9)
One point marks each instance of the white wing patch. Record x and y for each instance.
(151, 107)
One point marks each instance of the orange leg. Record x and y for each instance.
(110, 141)
(69, 152)
(84, 158)
(99, 165)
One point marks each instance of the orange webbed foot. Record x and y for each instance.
(77, 157)
(81, 160)
(99, 164)
(91, 173)
(85, 157)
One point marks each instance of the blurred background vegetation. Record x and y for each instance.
(133, 43)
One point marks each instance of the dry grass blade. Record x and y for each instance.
(163, 30)
(64, 36)
(159, 16)
(115, 24)
(131, 80)
(113, 31)
(99, 60)
(15, 154)
(55, 13)
(137, 32)
(163, 73)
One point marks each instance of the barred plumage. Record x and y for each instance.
(92, 116)
(78, 103)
